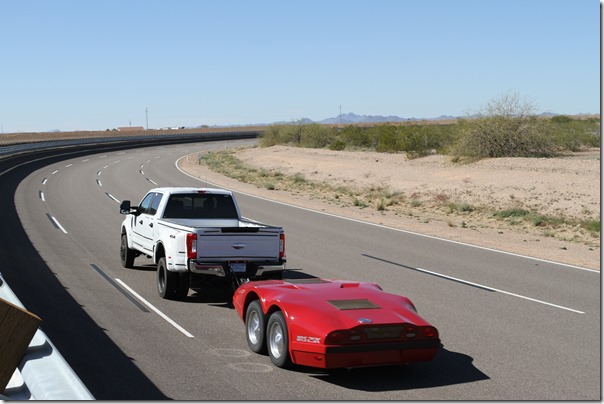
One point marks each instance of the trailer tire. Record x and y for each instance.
(255, 331)
(278, 340)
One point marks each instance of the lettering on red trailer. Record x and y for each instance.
(312, 340)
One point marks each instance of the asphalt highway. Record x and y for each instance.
(512, 327)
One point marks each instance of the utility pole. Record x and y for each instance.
(147, 117)
(340, 114)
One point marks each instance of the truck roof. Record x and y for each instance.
(190, 190)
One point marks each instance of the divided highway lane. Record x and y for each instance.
(512, 327)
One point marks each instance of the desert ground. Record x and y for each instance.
(427, 187)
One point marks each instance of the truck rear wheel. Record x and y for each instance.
(167, 282)
(126, 254)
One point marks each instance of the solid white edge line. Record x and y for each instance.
(393, 228)
(499, 290)
(54, 219)
(157, 311)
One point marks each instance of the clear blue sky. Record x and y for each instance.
(97, 64)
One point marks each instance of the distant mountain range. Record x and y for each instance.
(352, 118)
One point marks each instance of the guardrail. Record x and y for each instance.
(43, 373)
(26, 147)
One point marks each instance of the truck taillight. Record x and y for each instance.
(191, 245)
(281, 246)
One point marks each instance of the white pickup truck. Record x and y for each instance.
(193, 233)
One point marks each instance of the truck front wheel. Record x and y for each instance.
(126, 254)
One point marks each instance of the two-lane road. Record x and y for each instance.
(513, 328)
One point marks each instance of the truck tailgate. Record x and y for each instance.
(238, 244)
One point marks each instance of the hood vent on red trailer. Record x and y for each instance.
(354, 304)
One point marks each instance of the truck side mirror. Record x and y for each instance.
(125, 208)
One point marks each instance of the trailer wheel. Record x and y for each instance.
(254, 327)
(167, 282)
(278, 340)
(126, 254)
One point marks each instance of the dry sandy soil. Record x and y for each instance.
(568, 186)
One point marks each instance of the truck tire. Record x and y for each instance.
(126, 254)
(255, 331)
(167, 282)
(278, 340)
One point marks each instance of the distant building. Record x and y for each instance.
(131, 128)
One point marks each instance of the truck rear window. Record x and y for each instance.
(200, 206)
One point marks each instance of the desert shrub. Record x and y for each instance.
(337, 144)
(356, 136)
(592, 225)
(312, 135)
(274, 135)
(506, 127)
(513, 212)
(298, 178)
(460, 207)
(574, 134)
(561, 119)
(416, 140)
(420, 140)
(315, 135)
(387, 138)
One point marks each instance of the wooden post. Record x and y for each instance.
(17, 328)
